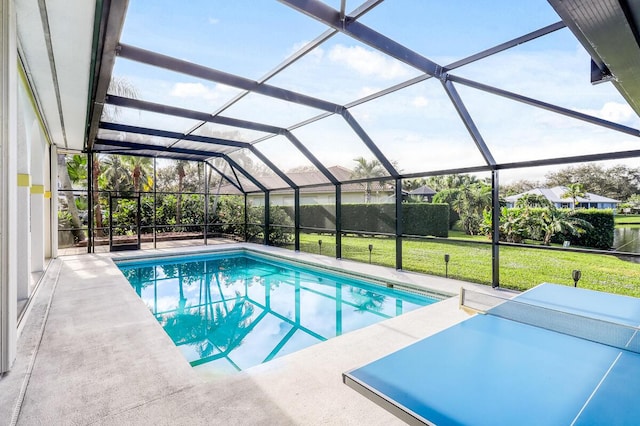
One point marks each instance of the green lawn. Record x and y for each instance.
(520, 268)
(627, 219)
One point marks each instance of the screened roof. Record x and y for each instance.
(270, 88)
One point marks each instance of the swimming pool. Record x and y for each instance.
(230, 311)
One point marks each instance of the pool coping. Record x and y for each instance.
(340, 271)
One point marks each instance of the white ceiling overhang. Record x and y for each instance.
(55, 40)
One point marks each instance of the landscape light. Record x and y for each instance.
(446, 265)
(576, 275)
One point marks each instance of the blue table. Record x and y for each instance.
(494, 371)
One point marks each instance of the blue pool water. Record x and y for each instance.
(228, 312)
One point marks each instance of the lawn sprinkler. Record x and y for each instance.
(370, 250)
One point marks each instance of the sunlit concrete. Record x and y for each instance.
(102, 358)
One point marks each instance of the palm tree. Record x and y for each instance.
(555, 221)
(119, 86)
(444, 182)
(472, 199)
(411, 184)
(122, 87)
(65, 170)
(117, 174)
(367, 169)
(573, 191)
(141, 168)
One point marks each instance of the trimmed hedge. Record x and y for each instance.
(418, 218)
(425, 219)
(601, 236)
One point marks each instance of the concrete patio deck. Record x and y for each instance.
(90, 352)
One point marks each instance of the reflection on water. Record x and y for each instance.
(627, 240)
(230, 313)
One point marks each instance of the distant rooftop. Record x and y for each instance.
(555, 196)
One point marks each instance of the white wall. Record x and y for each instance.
(8, 184)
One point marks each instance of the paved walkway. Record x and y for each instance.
(90, 352)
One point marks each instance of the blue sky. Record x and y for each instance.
(416, 127)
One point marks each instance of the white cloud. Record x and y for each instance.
(213, 21)
(197, 90)
(368, 63)
(367, 90)
(420, 102)
(614, 111)
(317, 53)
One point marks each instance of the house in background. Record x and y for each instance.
(590, 201)
(425, 192)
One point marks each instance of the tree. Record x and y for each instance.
(472, 200)
(518, 187)
(441, 183)
(618, 182)
(411, 184)
(119, 86)
(180, 170)
(633, 203)
(574, 191)
(555, 221)
(67, 190)
(141, 169)
(533, 200)
(367, 169)
(95, 194)
(117, 175)
(122, 87)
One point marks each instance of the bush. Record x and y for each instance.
(517, 224)
(601, 236)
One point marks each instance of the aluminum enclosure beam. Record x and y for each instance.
(331, 17)
(190, 114)
(462, 62)
(171, 135)
(196, 138)
(233, 122)
(296, 142)
(495, 229)
(468, 122)
(356, 13)
(350, 119)
(506, 45)
(104, 46)
(273, 167)
(206, 73)
(133, 146)
(164, 150)
(224, 176)
(544, 105)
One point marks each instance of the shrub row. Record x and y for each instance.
(418, 218)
